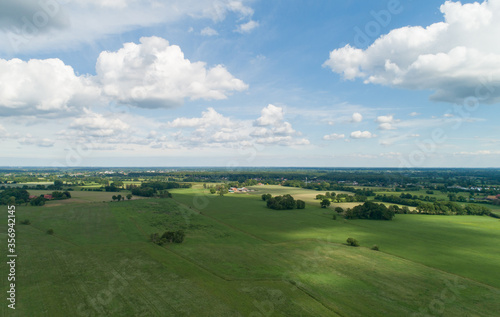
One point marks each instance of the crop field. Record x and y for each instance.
(240, 258)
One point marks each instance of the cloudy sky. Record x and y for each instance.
(250, 83)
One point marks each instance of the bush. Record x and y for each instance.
(50, 231)
(352, 242)
(25, 222)
(375, 247)
(339, 210)
(334, 217)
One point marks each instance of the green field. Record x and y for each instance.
(240, 258)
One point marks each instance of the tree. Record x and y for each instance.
(178, 236)
(352, 242)
(320, 197)
(300, 204)
(281, 202)
(58, 184)
(370, 210)
(266, 196)
(212, 190)
(118, 184)
(339, 210)
(113, 197)
(39, 201)
(129, 196)
(325, 203)
(119, 198)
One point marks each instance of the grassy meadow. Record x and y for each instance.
(240, 258)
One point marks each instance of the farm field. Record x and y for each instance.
(240, 258)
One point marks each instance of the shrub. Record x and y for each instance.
(50, 231)
(26, 222)
(352, 242)
(334, 217)
(375, 247)
(339, 210)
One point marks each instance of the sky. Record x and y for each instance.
(233, 83)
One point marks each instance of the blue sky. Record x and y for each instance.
(250, 83)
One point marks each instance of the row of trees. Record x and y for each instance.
(18, 196)
(341, 197)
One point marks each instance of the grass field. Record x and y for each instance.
(241, 259)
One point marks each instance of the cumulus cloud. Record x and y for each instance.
(207, 119)
(247, 27)
(39, 87)
(386, 122)
(215, 129)
(211, 129)
(155, 74)
(362, 135)
(54, 25)
(457, 58)
(273, 129)
(208, 31)
(152, 74)
(271, 115)
(94, 124)
(334, 136)
(357, 117)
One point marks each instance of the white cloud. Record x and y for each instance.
(334, 136)
(273, 129)
(208, 118)
(357, 117)
(39, 87)
(94, 124)
(386, 126)
(208, 31)
(67, 24)
(214, 129)
(40, 142)
(152, 74)
(271, 115)
(457, 58)
(155, 74)
(362, 135)
(386, 122)
(414, 114)
(247, 27)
